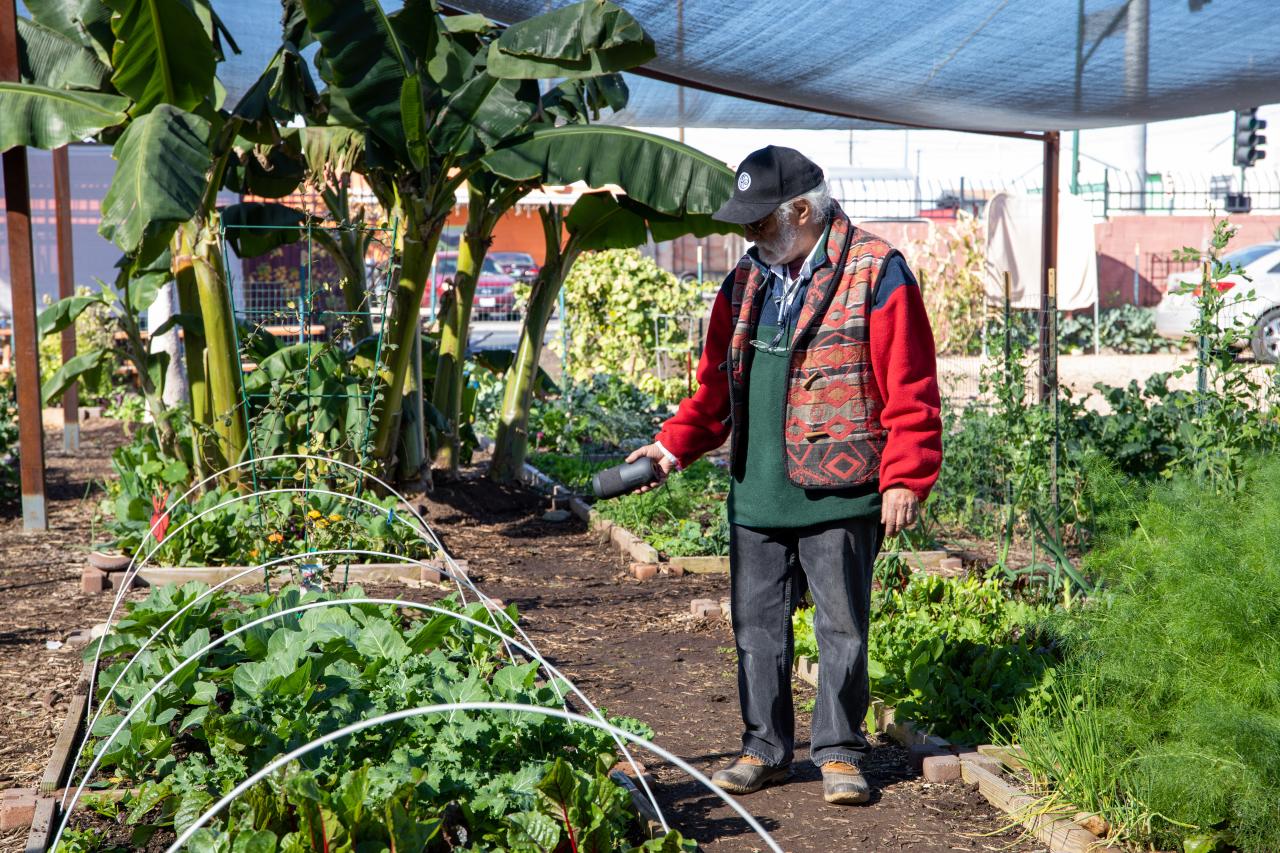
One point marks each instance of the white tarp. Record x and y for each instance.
(1013, 227)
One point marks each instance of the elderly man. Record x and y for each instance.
(819, 362)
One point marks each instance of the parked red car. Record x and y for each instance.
(495, 290)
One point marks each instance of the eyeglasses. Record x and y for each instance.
(774, 347)
(760, 223)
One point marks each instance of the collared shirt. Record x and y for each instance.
(783, 289)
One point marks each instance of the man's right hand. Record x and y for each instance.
(662, 463)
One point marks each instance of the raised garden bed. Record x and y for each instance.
(450, 645)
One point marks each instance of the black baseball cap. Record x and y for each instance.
(766, 179)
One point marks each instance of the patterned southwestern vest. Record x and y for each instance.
(831, 422)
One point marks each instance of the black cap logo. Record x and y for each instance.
(744, 182)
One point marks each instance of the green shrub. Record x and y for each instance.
(1173, 679)
(613, 300)
(957, 656)
(8, 439)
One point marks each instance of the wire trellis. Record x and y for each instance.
(308, 379)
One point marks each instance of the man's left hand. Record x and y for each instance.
(899, 509)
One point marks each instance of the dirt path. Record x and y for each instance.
(41, 604)
(630, 646)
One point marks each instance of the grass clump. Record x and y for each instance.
(1167, 718)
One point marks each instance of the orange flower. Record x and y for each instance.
(275, 537)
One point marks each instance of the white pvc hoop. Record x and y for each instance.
(551, 670)
(473, 706)
(128, 716)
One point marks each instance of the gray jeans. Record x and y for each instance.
(768, 570)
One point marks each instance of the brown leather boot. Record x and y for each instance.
(843, 784)
(748, 774)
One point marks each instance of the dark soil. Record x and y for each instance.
(631, 646)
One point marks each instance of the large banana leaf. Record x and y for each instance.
(67, 374)
(254, 227)
(47, 118)
(162, 164)
(64, 312)
(284, 90)
(583, 40)
(598, 221)
(340, 149)
(363, 63)
(659, 173)
(86, 22)
(162, 54)
(484, 112)
(48, 58)
(270, 170)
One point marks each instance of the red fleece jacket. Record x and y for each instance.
(904, 367)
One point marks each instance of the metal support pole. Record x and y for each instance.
(1008, 332)
(1097, 344)
(1202, 343)
(26, 349)
(66, 288)
(1049, 255)
(1052, 383)
(699, 263)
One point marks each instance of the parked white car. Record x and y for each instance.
(1177, 312)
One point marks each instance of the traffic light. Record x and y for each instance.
(1248, 140)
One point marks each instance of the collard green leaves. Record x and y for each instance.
(490, 781)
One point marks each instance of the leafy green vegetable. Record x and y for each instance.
(508, 781)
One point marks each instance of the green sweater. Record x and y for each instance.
(764, 496)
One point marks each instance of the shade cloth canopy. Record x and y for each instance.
(1005, 65)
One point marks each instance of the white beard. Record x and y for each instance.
(783, 245)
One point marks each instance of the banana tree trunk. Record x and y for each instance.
(222, 359)
(413, 434)
(182, 249)
(402, 325)
(455, 324)
(511, 443)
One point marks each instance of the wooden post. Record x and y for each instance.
(26, 349)
(66, 287)
(1049, 255)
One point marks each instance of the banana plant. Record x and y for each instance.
(440, 101)
(597, 221)
(141, 76)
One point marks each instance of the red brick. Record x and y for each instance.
(429, 575)
(918, 752)
(644, 571)
(672, 570)
(93, 580)
(699, 604)
(941, 768)
(17, 808)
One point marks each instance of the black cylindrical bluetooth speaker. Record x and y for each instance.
(627, 477)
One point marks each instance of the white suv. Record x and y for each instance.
(1177, 312)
